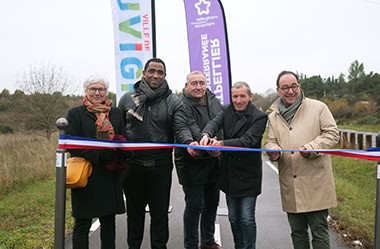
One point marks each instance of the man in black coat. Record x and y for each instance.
(152, 113)
(198, 170)
(241, 172)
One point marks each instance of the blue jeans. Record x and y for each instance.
(201, 204)
(241, 214)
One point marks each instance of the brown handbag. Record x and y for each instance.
(78, 169)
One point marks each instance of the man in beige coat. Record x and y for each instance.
(306, 178)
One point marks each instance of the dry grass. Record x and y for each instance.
(27, 192)
(25, 159)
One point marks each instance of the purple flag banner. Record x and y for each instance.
(208, 45)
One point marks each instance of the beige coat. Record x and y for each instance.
(307, 184)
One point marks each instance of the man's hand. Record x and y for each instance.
(193, 152)
(273, 156)
(304, 154)
(215, 142)
(204, 140)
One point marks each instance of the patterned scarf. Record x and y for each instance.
(288, 112)
(104, 128)
(146, 93)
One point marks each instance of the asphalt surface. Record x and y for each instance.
(273, 231)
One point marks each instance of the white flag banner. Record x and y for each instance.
(133, 31)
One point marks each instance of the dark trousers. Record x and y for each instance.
(317, 221)
(148, 185)
(107, 232)
(201, 204)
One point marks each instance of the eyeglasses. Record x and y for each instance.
(93, 90)
(286, 89)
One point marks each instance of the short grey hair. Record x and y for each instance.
(194, 73)
(241, 84)
(95, 79)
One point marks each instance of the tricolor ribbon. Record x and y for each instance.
(72, 142)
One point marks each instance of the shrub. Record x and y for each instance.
(370, 120)
(5, 129)
(3, 108)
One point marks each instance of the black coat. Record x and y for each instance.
(203, 169)
(103, 194)
(164, 120)
(241, 172)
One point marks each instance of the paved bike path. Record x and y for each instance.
(273, 231)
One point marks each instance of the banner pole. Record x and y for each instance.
(154, 45)
(377, 215)
(60, 190)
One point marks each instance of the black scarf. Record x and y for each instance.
(144, 93)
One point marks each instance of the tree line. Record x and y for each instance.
(44, 96)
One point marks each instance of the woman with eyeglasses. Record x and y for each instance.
(102, 197)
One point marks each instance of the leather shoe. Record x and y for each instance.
(212, 246)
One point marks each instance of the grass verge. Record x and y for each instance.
(355, 181)
(27, 216)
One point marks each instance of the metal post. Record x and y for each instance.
(60, 190)
(377, 215)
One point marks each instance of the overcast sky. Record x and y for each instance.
(313, 37)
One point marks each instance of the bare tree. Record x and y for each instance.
(46, 78)
(46, 84)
